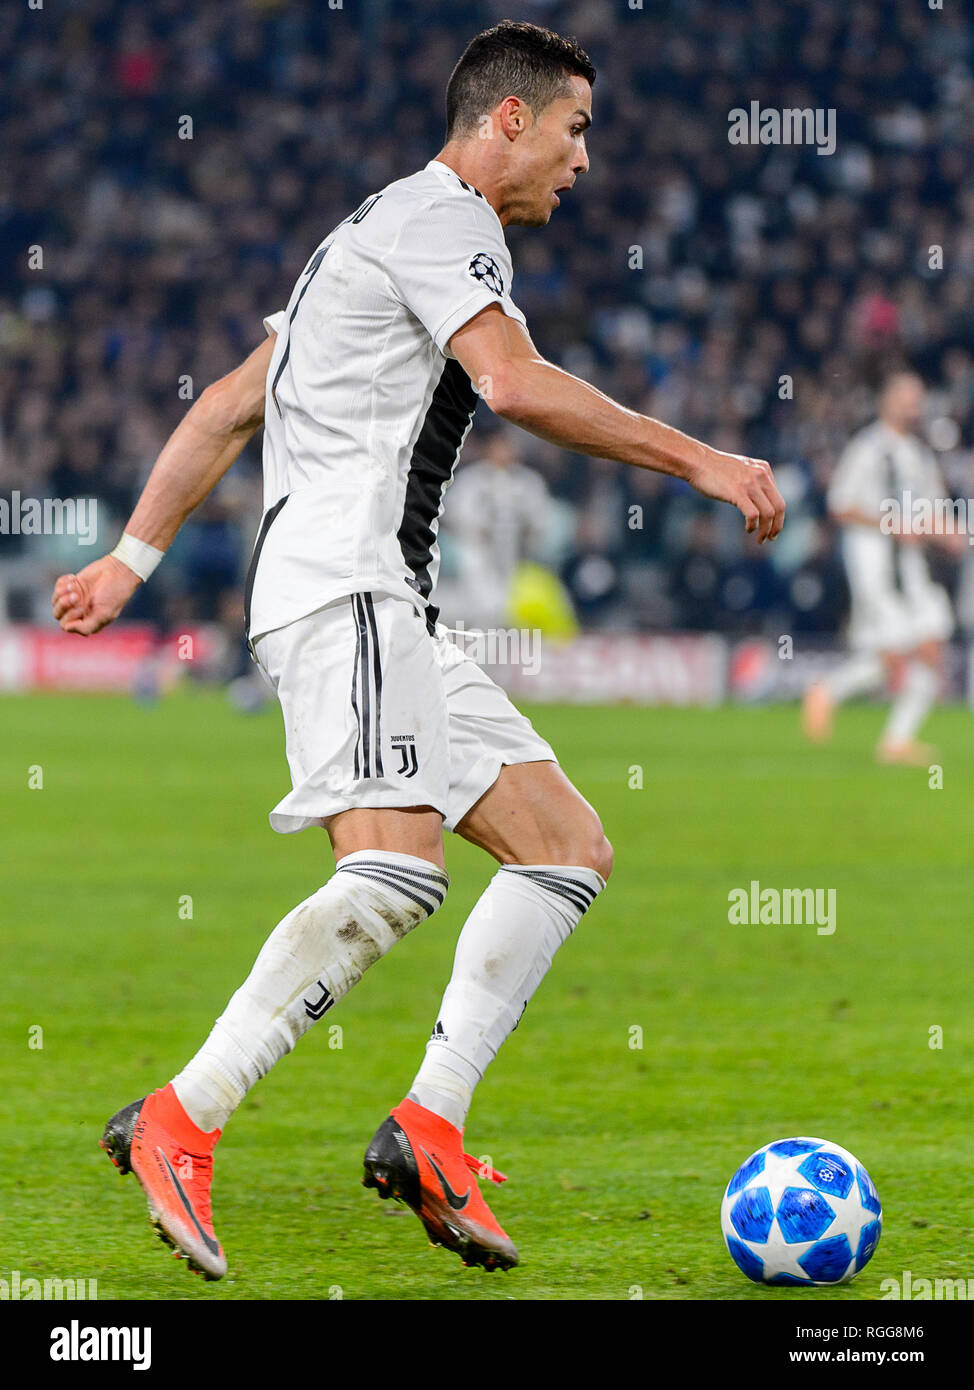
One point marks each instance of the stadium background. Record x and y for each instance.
(755, 264)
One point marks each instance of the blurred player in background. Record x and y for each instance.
(367, 388)
(900, 619)
(501, 513)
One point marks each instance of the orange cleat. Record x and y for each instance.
(173, 1160)
(417, 1156)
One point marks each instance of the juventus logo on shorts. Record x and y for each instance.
(406, 743)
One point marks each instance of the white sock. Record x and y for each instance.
(912, 705)
(310, 960)
(503, 953)
(862, 672)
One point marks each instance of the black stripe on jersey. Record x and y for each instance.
(430, 468)
(363, 211)
(265, 526)
(470, 188)
(311, 270)
(899, 584)
(377, 678)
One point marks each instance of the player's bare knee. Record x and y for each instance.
(597, 854)
(605, 857)
(590, 849)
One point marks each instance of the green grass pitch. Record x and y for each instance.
(617, 1154)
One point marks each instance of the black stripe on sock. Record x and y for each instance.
(555, 885)
(552, 876)
(434, 877)
(570, 884)
(429, 907)
(435, 886)
(565, 893)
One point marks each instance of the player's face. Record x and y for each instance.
(551, 154)
(905, 401)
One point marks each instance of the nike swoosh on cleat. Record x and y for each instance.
(455, 1201)
(212, 1245)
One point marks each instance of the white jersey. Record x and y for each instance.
(366, 409)
(879, 465)
(895, 603)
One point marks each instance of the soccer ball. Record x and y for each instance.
(801, 1211)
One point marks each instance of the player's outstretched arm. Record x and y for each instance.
(192, 462)
(520, 385)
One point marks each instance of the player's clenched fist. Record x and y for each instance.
(88, 601)
(747, 484)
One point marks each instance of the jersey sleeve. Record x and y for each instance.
(853, 487)
(449, 262)
(274, 323)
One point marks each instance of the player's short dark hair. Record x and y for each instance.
(511, 59)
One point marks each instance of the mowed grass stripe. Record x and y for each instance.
(617, 1153)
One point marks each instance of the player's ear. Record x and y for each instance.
(512, 117)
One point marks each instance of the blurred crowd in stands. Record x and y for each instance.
(752, 295)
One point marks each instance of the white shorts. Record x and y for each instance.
(883, 617)
(888, 623)
(379, 713)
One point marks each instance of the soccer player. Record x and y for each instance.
(366, 389)
(500, 515)
(899, 619)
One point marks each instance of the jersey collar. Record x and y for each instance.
(442, 168)
(893, 436)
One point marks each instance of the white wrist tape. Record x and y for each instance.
(140, 557)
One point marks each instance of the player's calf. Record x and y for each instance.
(507, 944)
(310, 961)
(534, 815)
(312, 958)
